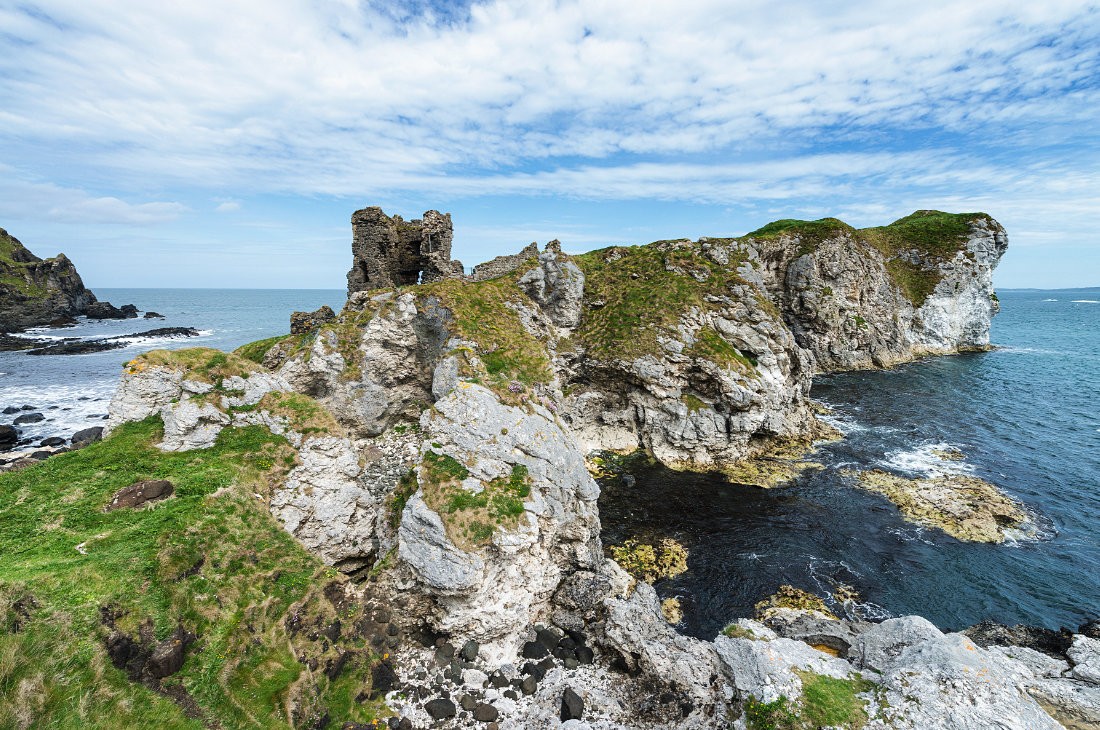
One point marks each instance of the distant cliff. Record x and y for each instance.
(874, 297)
(36, 292)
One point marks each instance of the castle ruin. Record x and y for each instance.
(388, 252)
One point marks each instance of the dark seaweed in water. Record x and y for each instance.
(1027, 417)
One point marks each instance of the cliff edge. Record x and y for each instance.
(35, 292)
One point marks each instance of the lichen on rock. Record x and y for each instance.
(965, 507)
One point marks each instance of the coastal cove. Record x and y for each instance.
(1025, 416)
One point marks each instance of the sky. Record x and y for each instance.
(226, 143)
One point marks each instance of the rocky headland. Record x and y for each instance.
(37, 292)
(388, 516)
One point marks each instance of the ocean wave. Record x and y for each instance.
(1085, 301)
(929, 459)
(1050, 300)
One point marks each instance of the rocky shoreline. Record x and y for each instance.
(431, 447)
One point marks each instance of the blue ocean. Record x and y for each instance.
(1026, 416)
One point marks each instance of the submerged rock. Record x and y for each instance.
(965, 507)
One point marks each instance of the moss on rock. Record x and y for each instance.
(965, 507)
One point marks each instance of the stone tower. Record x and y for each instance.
(389, 252)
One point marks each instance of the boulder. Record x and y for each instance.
(86, 436)
(9, 435)
(140, 493)
(29, 418)
(572, 706)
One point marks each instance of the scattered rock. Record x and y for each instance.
(52, 441)
(140, 493)
(8, 436)
(572, 706)
(29, 418)
(86, 436)
(485, 712)
(440, 708)
(153, 315)
(469, 651)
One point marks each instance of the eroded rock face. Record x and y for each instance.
(324, 505)
(729, 382)
(855, 306)
(495, 592)
(373, 375)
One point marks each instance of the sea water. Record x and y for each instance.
(73, 391)
(1026, 416)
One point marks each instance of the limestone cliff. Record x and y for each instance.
(875, 297)
(440, 431)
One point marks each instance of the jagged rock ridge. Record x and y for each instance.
(36, 292)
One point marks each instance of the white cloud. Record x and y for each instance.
(863, 110)
(296, 97)
(21, 199)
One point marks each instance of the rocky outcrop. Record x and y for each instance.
(965, 507)
(876, 297)
(514, 548)
(303, 322)
(35, 292)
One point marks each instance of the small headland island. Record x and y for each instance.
(388, 517)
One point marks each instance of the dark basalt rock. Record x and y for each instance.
(52, 441)
(29, 418)
(469, 651)
(572, 706)
(1048, 641)
(534, 650)
(78, 347)
(383, 679)
(153, 315)
(9, 435)
(86, 436)
(140, 493)
(485, 712)
(440, 709)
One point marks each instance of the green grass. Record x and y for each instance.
(472, 518)
(810, 233)
(931, 236)
(710, 345)
(481, 314)
(693, 402)
(255, 351)
(210, 558)
(645, 290)
(825, 702)
(201, 364)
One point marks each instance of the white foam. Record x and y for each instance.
(1050, 300)
(924, 461)
(1085, 301)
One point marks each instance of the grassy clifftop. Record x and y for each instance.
(912, 246)
(210, 558)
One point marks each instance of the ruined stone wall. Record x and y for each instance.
(502, 265)
(389, 252)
